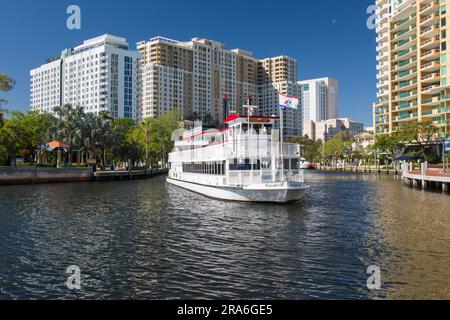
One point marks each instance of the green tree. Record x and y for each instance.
(420, 133)
(391, 144)
(154, 137)
(6, 84)
(339, 147)
(311, 149)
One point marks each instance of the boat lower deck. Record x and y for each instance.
(275, 193)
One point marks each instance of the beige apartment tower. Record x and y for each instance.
(196, 76)
(412, 64)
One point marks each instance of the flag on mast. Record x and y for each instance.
(288, 102)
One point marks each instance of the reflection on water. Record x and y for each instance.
(148, 240)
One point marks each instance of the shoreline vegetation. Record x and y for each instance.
(89, 139)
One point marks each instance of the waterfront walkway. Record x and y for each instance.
(427, 179)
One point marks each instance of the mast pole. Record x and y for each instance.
(281, 142)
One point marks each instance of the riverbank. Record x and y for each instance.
(37, 175)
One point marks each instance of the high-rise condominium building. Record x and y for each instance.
(319, 101)
(45, 87)
(279, 75)
(194, 77)
(99, 75)
(412, 64)
(197, 75)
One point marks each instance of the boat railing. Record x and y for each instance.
(229, 150)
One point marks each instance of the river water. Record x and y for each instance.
(149, 240)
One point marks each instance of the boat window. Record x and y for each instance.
(212, 168)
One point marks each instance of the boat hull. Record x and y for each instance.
(268, 193)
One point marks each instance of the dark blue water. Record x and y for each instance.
(149, 240)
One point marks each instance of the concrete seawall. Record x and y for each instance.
(35, 175)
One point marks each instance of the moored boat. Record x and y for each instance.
(247, 161)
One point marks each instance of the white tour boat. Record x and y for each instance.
(245, 162)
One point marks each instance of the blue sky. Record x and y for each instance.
(328, 37)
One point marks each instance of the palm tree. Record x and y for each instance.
(2, 118)
(67, 126)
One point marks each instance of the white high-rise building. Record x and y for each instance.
(45, 86)
(319, 100)
(99, 75)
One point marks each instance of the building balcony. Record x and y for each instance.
(383, 37)
(409, 117)
(434, 89)
(429, 8)
(382, 94)
(405, 64)
(404, 106)
(431, 101)
(429, 20)
(404, 45)
(406, 85)
(382, 47)
(429, 113)
(382, 28)
(383, 84)
(430, 78)
(405, 75)
(430, 55)
(430, 43)
(431, 66)
(405, 96)
(404, 23)
(382, 57)
(405, 34)
(382, 102)
(381, 111)
(443, 123)
(382, 10)
(382, 121)
(383, 66)
(430, 32)
(405, 54)
(383, 76)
